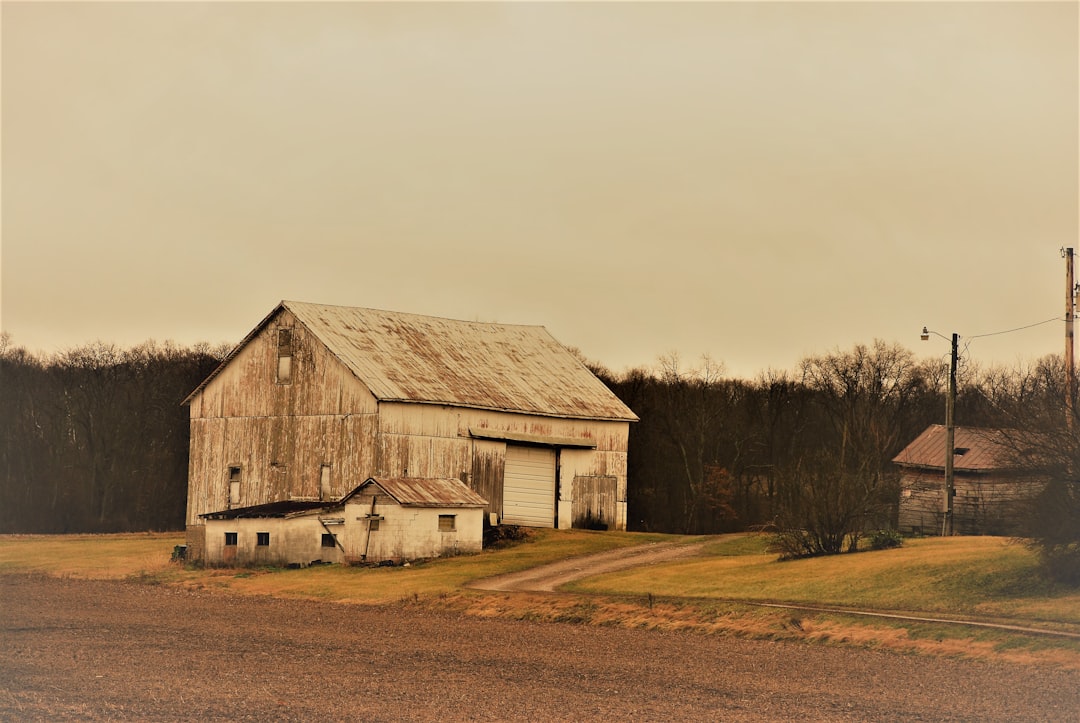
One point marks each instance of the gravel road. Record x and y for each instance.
(80, 650)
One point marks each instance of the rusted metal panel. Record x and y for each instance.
(413, 358)
(983, 449)
(423, 491)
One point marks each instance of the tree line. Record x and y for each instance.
(95, 439)
(807, 453)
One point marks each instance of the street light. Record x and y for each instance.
(950, 434)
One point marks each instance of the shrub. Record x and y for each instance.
(501, 536)
(1055, 530)
(884, 539)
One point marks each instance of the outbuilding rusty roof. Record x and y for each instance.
(412, 358)
(424, 491)
(978, 450)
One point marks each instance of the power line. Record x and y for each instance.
(1019, 328)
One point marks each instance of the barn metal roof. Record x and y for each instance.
(404, 357)
(983, 450)
(424, 491)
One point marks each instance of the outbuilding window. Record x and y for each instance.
(230, 539)
(262, 539)
(447, 523)
(329, 540)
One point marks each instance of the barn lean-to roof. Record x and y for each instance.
(983, 450)
(423, 491)
(407, 491)
(411, 358)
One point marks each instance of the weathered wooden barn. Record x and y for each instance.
(317, 399)
(395, 519)
(991, 489)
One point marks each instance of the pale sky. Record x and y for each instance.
(755, 181)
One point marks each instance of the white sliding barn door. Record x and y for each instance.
(529, 486)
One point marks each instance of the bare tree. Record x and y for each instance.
(840, 483)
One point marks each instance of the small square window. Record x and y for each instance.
(262, 539)
(329, 540)
(373, 524)
(447, 523)
(230, 539)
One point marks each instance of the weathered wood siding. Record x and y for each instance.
(279, 435)
(982, 504)
(429, 440)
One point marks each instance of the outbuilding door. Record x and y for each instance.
(529, 486)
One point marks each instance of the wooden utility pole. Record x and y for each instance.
(1070, 313)
(950, 443)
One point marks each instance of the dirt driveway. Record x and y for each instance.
(547, 578)
(82, 650)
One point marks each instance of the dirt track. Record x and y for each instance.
(547, 578)
(106, 650)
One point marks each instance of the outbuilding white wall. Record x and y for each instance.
(293, 541)
(410, 533)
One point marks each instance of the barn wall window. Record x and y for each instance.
(230, 539)
(284, 356)
(234, 485)
(324, 482)
(373, 524)
(262, 539)
(447, 523)
(328, 540)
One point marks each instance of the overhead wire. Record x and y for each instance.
(1019, 328)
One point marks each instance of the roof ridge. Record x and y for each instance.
(287, 303)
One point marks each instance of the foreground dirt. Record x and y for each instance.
(74, 650)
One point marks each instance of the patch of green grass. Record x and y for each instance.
(738, 546)
(961, 575)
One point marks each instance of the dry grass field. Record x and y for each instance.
(716, 592)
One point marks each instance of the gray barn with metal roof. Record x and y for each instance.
(318, 398)
(990, 488)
